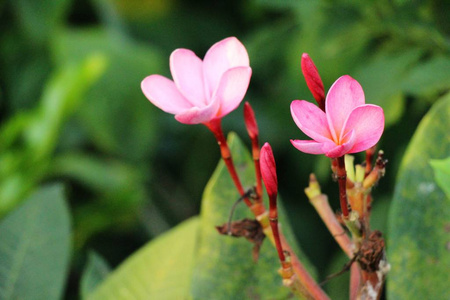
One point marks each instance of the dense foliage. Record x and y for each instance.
(77, 130)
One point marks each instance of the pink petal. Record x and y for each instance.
(197, 115)
(344, 95)
(333, 150)
(311, 120)
(310, 147)
(232, 88)
(223, 55)
(367, 122)
(187, 73)
(163, 93)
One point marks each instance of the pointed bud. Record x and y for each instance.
(250, 121)
(269, 172)
(313, 80)
(269, 175)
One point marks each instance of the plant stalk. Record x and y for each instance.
(216, 128)
(342, 180)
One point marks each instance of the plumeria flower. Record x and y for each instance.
(348, 125)
(202, 91)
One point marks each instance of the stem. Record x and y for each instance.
(322, 206)
(369, 158)
(273, 219)
(255, 154)
(298, 280)
(355, 281)
(253, 133)
(342, 179)
(303, 275)
(216, 128)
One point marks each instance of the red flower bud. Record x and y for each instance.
(250, 121)
(313, 80)
(269, 172)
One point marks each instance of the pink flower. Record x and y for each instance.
(348, 125)
(202, 91)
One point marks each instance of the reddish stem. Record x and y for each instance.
(273, 218)
(355, 281)
(303, 275)
(369, 158)
(216, 128)
(342, 179)
(255, 153)
(253, 133)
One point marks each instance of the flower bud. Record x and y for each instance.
(313, 80)
(268, 171)
(250, 121)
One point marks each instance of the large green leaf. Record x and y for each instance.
(419, 217)
(160, 270)
(35, 247)
(224, 268)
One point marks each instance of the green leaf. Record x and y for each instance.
(160, 270)
(120, 193)
(35, 247)
(62, 96)
(224, 268)
(429, 77)
(126, 125)
(102, 175)
(32, 137)
(387, 70)
(419, 218)
(96, 271)
(441, 168)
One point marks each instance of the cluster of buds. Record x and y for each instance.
(204, 91)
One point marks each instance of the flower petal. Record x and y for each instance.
(311, 120)
(223, 55)
(163, 93)
(344, 95)
(332, 150)
(367, 122)
(197, 115)
(187, 73)
(232, 88)
(310, 147)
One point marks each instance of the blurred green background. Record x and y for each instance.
(72, 110)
